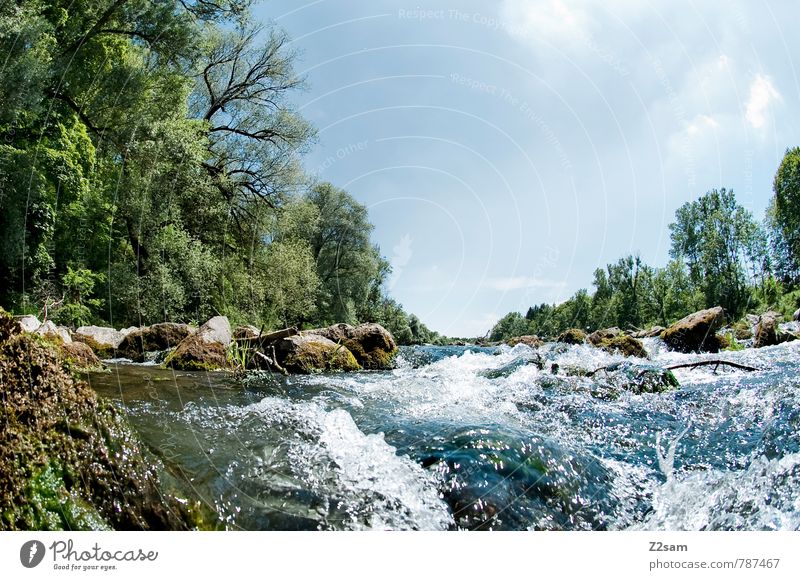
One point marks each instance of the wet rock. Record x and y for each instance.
(572, 336)
(205, 350)
(372, 345)
(638, 378)
(624, 345)
(308, 353)
(599, 336)
(768, 332)
(28, 322)
(102, 340)
(696, 332)
(742, 330)
(510, 368)
(527, 340)
(69, 460)
(157, 337)
(81, 357)
(649, 333)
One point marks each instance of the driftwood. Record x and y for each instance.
(715, 363)
(704, 363)
(271, 362)
(263, 340)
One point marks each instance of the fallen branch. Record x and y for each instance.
(716, 363)
(270, 362)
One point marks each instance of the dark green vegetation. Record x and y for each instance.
(69, 460)
(721, 256)
(150, 171)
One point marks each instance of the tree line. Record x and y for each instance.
(151, 170)
(720, 255)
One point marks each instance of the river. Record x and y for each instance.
(475, 438)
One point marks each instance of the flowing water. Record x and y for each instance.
(476, 438)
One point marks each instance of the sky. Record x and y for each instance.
(507, 149)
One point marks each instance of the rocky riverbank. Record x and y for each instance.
(217, 346)
(69, 460)
(700, 332)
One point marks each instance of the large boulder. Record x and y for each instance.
(572, 336)
(527, 340)
(600, 336)
(205, 350)
(59, 334)
(372, 345)
(309, 353)
(696, 332)
(768, 332)
(624, 345)
(102, 340)
(157, 337)
(28, 322)
(796, 316)
(81, 357)
(69, 460)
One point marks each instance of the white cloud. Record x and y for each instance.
(762, 94)
(551, 19)
(700, 123)
(522, 282)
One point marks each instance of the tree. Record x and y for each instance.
(512, 324)
(715, 237)
(254, 136)
(348, 264)
(784, 216)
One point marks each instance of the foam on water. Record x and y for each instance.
(363, 482)
(503, 438)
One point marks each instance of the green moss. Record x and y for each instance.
(317, 357)
(69, 460)
(625, 345)
(103, 351)
(572, 336)
(194, 354)
(376, 359)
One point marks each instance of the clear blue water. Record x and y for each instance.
(471, 438)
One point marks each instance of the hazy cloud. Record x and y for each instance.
(762, 94)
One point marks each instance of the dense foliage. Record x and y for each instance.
(720, 256)
(150, 170)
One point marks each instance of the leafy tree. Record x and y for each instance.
(784, 216)
(512, 324)
(715, 237)
(348, 264)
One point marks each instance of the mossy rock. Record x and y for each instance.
(624, 345)
(572, 336)
(194, 354)
(372, 345)
(606, 334)
(696, 332)
(103, 351)
(69, 460)
(308, 353)
(155, 338)
(742, 330)
(81, 357)
(638, 378)
(527, 340)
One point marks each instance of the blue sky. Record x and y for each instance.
(507, 149)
